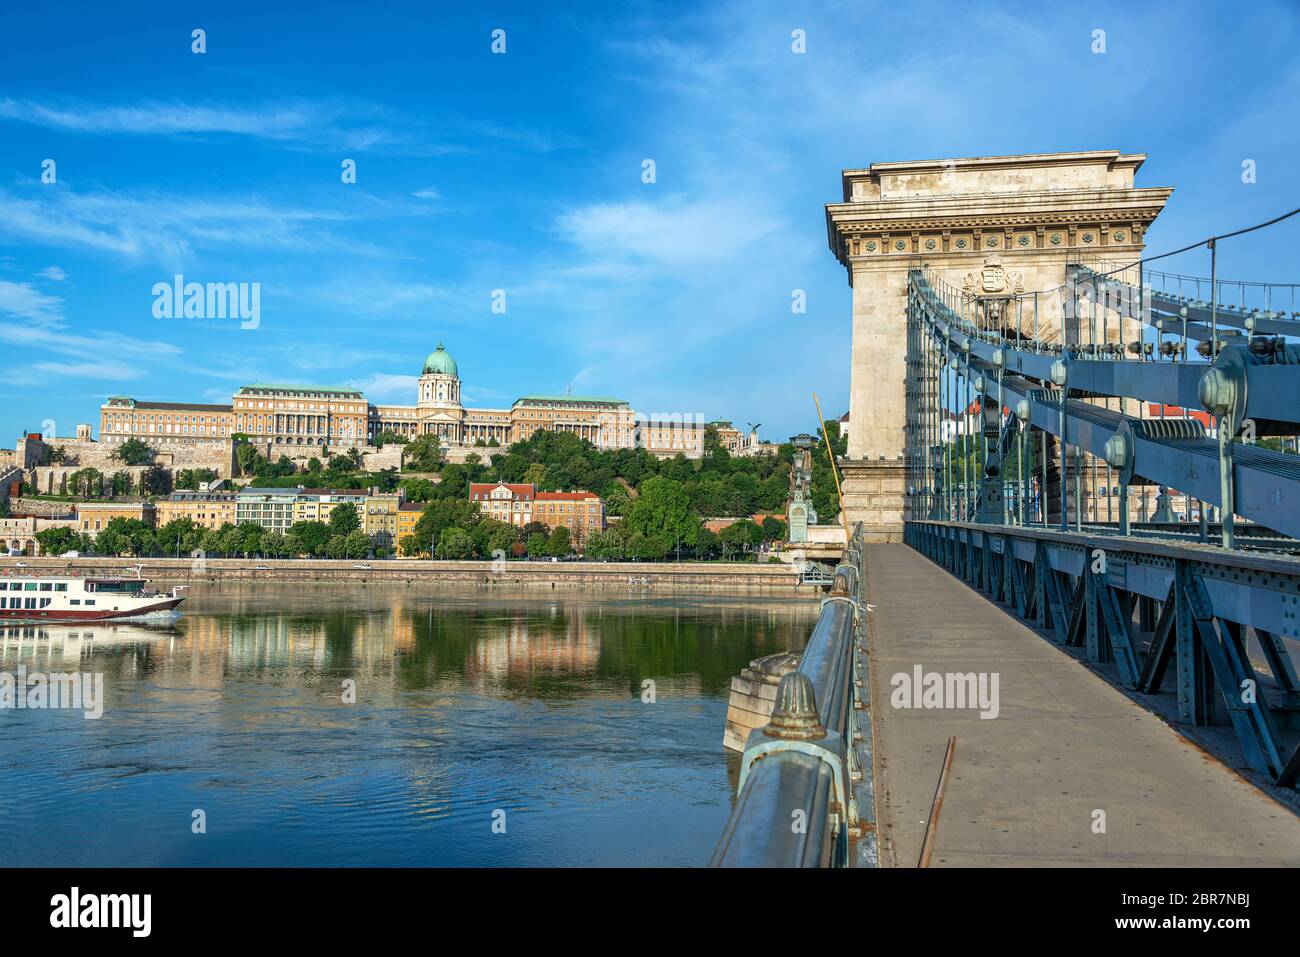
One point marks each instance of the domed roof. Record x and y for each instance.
(440, 362)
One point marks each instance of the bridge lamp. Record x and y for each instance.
(1022, 413)
(1119, 453)
(1060, 373)
(979, 383)
(998, 358)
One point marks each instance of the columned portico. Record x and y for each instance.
(1020, 216)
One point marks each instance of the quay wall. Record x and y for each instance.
(701, 576)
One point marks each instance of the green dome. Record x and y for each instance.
(440, 362)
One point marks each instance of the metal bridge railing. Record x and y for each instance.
(804, 798)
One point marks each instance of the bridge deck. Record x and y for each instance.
(1024, 786)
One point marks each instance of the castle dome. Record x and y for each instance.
(440, 362)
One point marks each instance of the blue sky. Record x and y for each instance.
(522, 172)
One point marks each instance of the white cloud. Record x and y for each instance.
(313, 126)
(427, 192)
(53, 273)
(389, 388)
(674, 233)
(106, 369)
(284, 122)
(27, 302)
(169, 228)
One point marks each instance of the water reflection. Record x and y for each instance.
(465, 703)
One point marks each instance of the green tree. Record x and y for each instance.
(308, 538)
(250, 538)
(248, 458)
(662, 514)
(56, 541)
(491, 536)
(132, 452)
(536, 545)
(409, 545)
(156, 480)
(417, 490)
(535, 474)
(179, 537)
(356, 544)
(442, 514)
(87, 483)
(773, 529)
(336, 547)
(387, 437)
(422, 455)
(274, 544)
(558, 544)
(455, 543)
(126, 536)
(824, 497)
(616, 499)
(344, 519)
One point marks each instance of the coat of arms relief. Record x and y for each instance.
(993, 280)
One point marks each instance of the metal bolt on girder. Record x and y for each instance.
(795, 714)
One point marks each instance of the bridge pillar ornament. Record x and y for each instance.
(994, 225)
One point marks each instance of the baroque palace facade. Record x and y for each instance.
(293, 416)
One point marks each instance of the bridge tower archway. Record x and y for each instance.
(986, 226)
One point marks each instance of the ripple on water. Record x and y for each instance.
(470, 710)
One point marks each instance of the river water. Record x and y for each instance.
(487, 729)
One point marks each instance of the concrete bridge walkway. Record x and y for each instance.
(1024, 787)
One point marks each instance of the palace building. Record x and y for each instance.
(289, 415)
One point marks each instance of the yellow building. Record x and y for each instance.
(163, 424)
(379, 517)
(300, 415)
(582, 512)
(206, 509)
(18, 535)
(316, 504)
(668, 436)
(93, 517)
(408, 516)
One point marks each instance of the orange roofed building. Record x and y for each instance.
(520, 503)
(507, 502)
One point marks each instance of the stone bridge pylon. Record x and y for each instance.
(969, 221)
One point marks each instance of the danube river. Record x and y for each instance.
(487, 729)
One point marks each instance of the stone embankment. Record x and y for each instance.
(702, 576)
